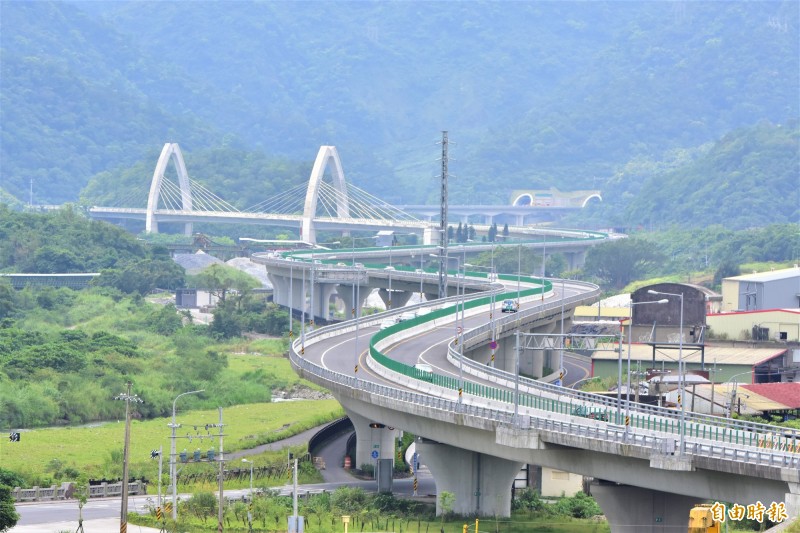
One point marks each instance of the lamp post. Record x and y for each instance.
(630, 335)
(291, 294)
(519, 272)
(303, 317)
(459, 329)
(681, 377)
(173, 467)
(250, 503)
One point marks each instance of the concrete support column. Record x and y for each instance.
(307, 231)
(576, 259)
(792, 500)
(394, 299)
(346, 294)
(504, 357)
(637, 510)
(519, 220)
(481, 483)
(322, 299)
(280, 289)
(299, 294)
(428, 235)
(372, 439)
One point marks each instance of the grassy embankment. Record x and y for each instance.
(48, 455)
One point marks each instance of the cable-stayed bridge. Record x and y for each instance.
(318, 205)
(315, 206)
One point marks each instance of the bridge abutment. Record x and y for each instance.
(639, 510)
(480, 483)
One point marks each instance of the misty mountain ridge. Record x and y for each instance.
(535, 95)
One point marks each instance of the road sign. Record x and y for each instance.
(374, 454)
(493, 345)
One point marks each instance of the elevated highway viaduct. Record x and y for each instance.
(474, 441)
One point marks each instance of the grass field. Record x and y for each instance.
(97, 450)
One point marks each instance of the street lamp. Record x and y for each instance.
(519, 272)
(173, 467)
(250, 503)
(630, 335)
(681, 377)
(460, 289)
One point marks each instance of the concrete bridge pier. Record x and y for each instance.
(639, 510)
(792, 500)
(576, 260)
(429, 296)
(394, 299)
(345, 292)
(531, 362)
(322, 299)
(481, 483)
(428, 234)
(372, 436)
(283, 286)
(280, 289)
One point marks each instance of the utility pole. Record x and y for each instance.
(443, 222)
(127, 397)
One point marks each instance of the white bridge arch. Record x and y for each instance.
(170, 151)
(326, 155)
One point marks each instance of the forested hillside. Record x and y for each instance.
(535, 95)
(750, 177)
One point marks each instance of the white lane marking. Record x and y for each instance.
(322, 358)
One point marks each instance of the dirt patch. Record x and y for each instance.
(300, 393)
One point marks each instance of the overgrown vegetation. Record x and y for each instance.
(383, 512)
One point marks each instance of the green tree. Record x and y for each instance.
(446, 502)
(8, 514)
(221, 280)
(348, 500)
(7, 304)
(202, 504)
(621, 261)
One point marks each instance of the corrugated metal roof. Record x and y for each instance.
(749, 402)
(769, 276)
(787, 394)
(723, 355)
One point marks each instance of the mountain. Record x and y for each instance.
(533, 95)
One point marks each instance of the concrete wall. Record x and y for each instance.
(557, 483)
(606, 368)
(739, 326)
